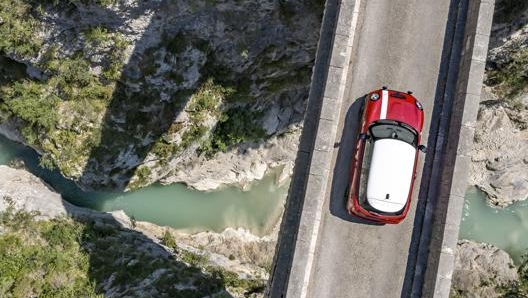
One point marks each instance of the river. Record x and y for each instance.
(177, 206)
(505, 228)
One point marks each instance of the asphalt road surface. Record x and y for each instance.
(399, 45)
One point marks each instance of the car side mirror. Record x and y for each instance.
(422, 148)
(363, 136)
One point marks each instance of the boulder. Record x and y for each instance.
(500, 154)
(481, 268)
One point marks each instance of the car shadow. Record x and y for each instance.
(342, 165)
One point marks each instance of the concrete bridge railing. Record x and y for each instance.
(440, 246)
(300, 224)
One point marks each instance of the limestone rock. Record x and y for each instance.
(479, 269)
(26, 191)
(237, 167)
(159, 54)
(500, 156)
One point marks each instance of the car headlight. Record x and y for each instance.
(374, 96)
(419, 105)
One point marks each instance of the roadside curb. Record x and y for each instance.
(292, 269)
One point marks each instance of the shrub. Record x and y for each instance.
(17, 32)
(46, 162)
(512, 77)
(28, 101)
(30, 266)
(142, 175)
(237, 125)
(194, 259)
(520, 288)
(97, 35)
(208, 97)
(168, 240)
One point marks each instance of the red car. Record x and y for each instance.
(384, 164)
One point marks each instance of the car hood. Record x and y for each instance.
(390, 174)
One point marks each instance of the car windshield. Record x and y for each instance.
(393, 130)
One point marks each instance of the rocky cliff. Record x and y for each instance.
(118, 94)
(500, 154)
(122, 257)
(482, 271)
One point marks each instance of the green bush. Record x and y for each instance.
(519, 289)
(97, 35)
(237, 125)
(194, 259)
(18, 30)
(28, 101)
(142, 175)
(511, 78)
(168, 240)
(163, 149)
(30, 266)
(231, 279)
(46, 162)
(65, 258)
(208, 97)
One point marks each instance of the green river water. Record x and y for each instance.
(505, 228)
(257, 209)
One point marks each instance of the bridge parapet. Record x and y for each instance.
(300, 224)
(445, 221)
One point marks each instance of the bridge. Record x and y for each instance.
(437, 49)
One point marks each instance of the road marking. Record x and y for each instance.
(384, 103)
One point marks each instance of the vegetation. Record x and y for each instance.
(520, 289)
(17, 30)
(30, 102)
(168, 240)
(84, 258)
(71, 90)
(235, 126)
(507, 10)
(511, 79)
(142, 175)
(42, 259)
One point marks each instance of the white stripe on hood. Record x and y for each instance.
(384, 103)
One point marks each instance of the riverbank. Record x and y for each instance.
(256, 209)
(485, 271)
(237, 251)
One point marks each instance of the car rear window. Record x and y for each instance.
(393, 130)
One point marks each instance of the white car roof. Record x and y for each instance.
(390, 175)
